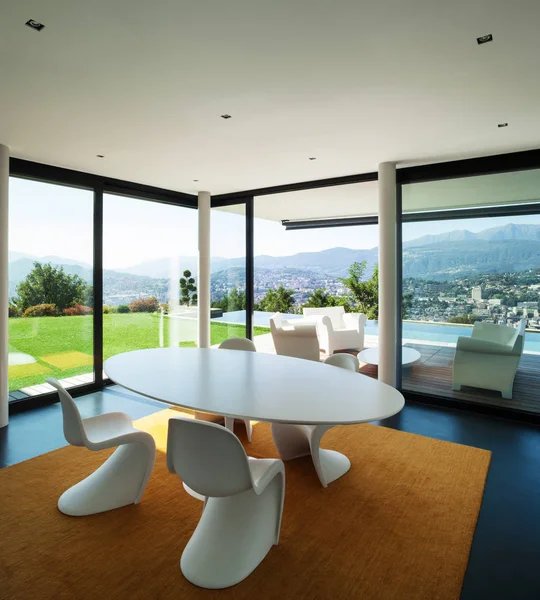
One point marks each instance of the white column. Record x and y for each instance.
(203, 283)
(387, 273)
(4, 191)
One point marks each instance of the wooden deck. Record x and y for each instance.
(432, 376)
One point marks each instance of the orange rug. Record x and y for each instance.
(398, 526)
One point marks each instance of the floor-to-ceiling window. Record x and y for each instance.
(51, 298)
(228, 294)
(149, 275)
(471, 269)
(310, 252)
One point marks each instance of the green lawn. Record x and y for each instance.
(62, 346)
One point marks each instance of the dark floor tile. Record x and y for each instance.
(505, 553)
(35, 432)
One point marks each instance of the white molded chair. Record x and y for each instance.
(238, 344)
(241, 518)
(489, 358)
(247, 346)
(297, 338)
(122, 478)
(343, 360)
(337, 329)
(293, 441)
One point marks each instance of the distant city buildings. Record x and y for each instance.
(458, 298)
(500, 298)
(477, 293)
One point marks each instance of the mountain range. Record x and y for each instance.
(508, 248)
(443, 256)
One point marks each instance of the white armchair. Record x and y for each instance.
(296, 338)
(489, 358)
(337, 329)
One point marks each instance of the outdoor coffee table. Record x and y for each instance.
(371, 356)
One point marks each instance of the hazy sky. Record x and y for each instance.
(48, 219)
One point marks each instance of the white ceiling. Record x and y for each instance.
(359, 199)
(351, 82)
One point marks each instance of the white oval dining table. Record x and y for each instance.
(259, 387)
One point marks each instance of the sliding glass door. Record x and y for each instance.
(471, 283)
(51, 296)
(228, 290)
(310, 251)
(149, 275)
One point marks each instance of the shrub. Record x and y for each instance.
(123, 308)
(77, 309)
(106, 309)
(144, 305)
(465, 319)
(13, 311)
(41, 310)
(165, 307)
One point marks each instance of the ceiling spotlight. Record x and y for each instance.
(35, 24)
(226, 116)
(484, 39)
(100, 155)
(502, 125)
(312, 158)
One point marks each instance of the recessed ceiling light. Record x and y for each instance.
(100, 155)
(502, 125)
(226, 116)
(312, 158)
(484, 39)
(35, 24)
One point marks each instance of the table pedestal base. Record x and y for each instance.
(333, 464)
(294, 441)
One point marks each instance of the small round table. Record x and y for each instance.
(261, 387)
(371, 356)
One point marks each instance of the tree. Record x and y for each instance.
(364, 293)
(188, 289)
(406, 305)
(277, 300)
(89, 296)
(320, 298)
(231, 301)
(46, 284)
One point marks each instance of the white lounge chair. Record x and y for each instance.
(293, 441)
(489, 358)
(338, 330)
(241, 518)
(122, 478)
(296, 337)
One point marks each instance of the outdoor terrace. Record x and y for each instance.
(431, 375)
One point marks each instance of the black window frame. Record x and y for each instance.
(486, 165)
(99, 185)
